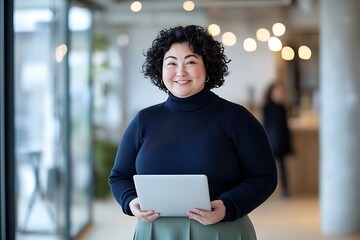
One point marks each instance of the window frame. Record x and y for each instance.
(7, 165)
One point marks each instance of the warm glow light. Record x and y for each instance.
(287, 53)
(214, 29)
(278, 29)
(189, 6)
(136, 6)
(262, 34)
(250, 45)
(274, 44)
(60, 52)
(304, 52)
(229, 39)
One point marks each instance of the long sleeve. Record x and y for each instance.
(121, 176)
(258, 164)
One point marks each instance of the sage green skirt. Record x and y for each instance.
(182, 228)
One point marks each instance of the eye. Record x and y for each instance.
(191, 62)
(170, 64)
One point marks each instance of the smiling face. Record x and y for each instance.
(183, 71)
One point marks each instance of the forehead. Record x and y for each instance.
(179, 49)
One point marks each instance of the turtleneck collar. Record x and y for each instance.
(190, 104)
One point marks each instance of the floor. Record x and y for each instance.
(296, 218)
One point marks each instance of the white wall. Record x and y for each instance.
(248, 70)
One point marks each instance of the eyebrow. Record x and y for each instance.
(187, 56)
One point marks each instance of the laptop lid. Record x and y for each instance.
(172, 195)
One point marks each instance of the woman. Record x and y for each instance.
(276, 126)
(194, 132)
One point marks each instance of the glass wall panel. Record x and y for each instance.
(40, 109)
(52, 119)
(80, 23)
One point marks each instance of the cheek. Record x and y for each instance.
(167, 74)
(198, 72)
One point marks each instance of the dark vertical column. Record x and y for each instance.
(2, 126)
(340, 116)
(8, 131)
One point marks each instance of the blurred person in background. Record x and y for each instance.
(275, 121)
(194, 132)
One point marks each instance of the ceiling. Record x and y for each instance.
(301, 15)
(170, 4)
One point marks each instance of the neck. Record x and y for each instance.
(190, 104)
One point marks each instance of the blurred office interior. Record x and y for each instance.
(71, 81)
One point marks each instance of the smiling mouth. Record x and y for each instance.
(182, 81)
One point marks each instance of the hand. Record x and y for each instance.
(147, 216)
(209, 217)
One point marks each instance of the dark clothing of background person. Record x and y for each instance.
(276, 126)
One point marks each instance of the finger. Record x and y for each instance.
(194, 216)
(205, 217)
(203, 221)
(148, 216)
(202, 217)
(153, 217)
(200, 212)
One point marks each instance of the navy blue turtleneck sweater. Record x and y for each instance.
(202, 134)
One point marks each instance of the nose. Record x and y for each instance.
(181, 71)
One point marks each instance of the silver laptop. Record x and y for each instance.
(172, 195)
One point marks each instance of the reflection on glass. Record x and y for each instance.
(80, 118)
(42, 120)
(36, 125)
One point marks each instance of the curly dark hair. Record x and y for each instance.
(200, 42)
